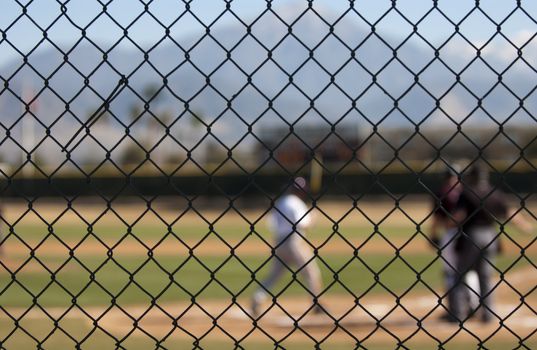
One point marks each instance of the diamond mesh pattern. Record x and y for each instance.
(140, 168)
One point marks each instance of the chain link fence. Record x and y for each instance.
(272, 174)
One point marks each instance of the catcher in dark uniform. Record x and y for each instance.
(480, 209)
(444, 231)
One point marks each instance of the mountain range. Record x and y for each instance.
(268, 74)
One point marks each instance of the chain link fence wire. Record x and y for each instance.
(145, 144)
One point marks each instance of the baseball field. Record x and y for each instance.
(138, 276)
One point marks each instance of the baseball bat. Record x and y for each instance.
(316, 173)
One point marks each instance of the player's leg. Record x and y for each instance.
(449, 257)
(467, 258)
(471, 281)
(309, 272)
(485, 239)
(279, 264)
(484, 272)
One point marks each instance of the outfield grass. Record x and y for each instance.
(179, 278)
(95, 280)
(189, 231)
(111, 232)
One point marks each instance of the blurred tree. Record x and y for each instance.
(214, 153)
(530, 144)
(132, 154)
(152, 92)
(198, 126)
(38, 159)
(148, 119)
(197, 120)
(98, 117)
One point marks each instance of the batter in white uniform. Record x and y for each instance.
(290, 218)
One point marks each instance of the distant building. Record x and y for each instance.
(504, 146)
(297, 146)
(294, 148)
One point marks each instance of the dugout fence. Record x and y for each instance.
(154, 137)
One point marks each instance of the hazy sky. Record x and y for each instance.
(24, 35)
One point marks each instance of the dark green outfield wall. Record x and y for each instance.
(233, 185)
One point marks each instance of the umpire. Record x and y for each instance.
(444, 232)
(480, 209)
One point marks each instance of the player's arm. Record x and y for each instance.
(460, 214)
(437, 224)
(436, 227)
(304, 216)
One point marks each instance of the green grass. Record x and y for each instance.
(96, 280)
(180, 278)
(195, 231)
(185, 231)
